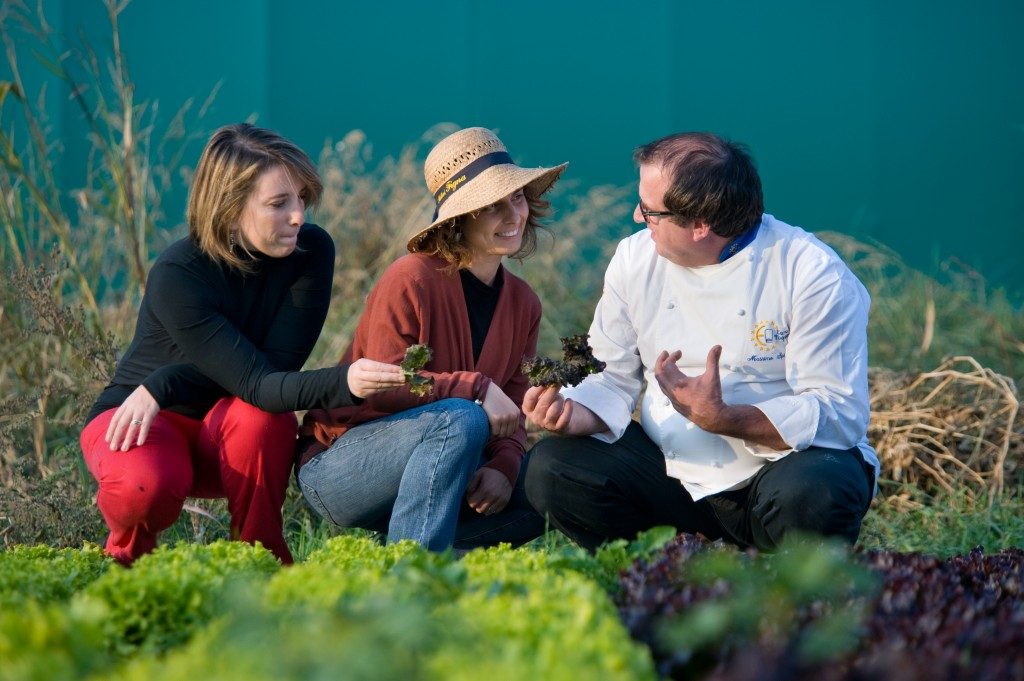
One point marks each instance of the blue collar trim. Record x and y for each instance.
(739, 243)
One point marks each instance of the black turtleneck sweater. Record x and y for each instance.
(481, 300)
(206, 330)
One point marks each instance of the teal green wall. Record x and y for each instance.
(902, 121)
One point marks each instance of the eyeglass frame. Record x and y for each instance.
(648, 214)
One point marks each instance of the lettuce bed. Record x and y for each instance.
(353, 610)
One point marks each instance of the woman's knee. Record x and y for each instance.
(249, 438)
(233, 415)
(145, 485)
(309, 485)
(137, 493)
(464, 424)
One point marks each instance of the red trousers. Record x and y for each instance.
(237, 451)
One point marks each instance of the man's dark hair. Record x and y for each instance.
(712, 180)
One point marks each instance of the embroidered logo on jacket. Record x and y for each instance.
(767, 336)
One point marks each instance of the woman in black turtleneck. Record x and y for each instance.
(201, 403)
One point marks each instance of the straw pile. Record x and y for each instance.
(948, 429)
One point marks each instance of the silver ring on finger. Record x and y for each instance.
(136, 422)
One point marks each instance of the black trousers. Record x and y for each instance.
(517, 523)
(594, 491)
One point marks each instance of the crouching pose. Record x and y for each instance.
(201, 403)
(443, 467)
(747, 339)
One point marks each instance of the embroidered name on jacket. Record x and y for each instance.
(767, 337)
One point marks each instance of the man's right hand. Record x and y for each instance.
(546, 407)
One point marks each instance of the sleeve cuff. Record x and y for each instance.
(150, 384)
(796, 419)
(506, 458)
(346, 395)
(480, 391)
(606, 405)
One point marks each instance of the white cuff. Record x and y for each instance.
(796, 419)
(606, 405)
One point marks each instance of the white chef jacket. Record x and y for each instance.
(792, 322)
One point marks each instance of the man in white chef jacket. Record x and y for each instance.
(744, 340)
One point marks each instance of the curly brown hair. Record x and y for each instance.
(445, 241)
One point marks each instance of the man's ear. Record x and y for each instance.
(701, 230)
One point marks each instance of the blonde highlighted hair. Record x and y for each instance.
(231, 164)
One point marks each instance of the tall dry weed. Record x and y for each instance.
(917, 321)
(74, 259)
(567, 271)
(368, 206)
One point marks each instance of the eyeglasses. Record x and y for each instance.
(656, 214)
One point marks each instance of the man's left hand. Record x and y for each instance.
(698, 398)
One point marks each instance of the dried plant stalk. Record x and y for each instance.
(947, 429)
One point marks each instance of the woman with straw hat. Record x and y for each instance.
(405, 463)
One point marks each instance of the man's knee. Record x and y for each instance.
(824, 507)
(544, 480)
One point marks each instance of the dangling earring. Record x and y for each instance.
(231, 239)
(458, 237)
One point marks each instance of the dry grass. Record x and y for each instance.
(74, 260)
(947, 430)
(368, 207)
(918, 321)
(567, 271)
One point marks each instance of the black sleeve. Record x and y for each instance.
(183, 302)
(182, 384)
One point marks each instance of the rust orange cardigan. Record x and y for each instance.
(415, 301)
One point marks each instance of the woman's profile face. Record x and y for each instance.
(273, 214)
(497, 229)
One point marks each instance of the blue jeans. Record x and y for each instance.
(408, 470)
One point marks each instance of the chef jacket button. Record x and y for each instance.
(741, 312)
(671, 306)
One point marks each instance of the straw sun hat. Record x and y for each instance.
(471, 169)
